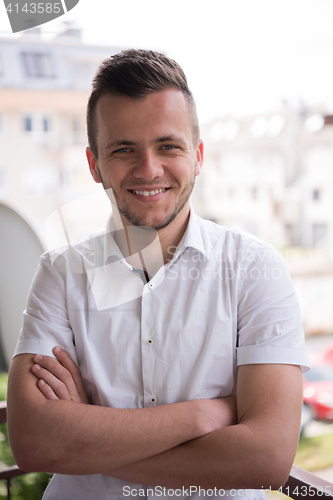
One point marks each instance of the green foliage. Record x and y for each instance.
(29, 486)
(3, 386)
(315, 453)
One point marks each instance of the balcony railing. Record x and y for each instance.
(7, 473)
(301, 485)
(304, 485)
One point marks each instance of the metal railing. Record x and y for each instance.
(6, 473)
(301, 485)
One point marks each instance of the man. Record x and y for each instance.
(163, 345)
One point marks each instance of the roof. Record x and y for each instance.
(62, 63)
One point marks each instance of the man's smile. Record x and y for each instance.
(149, 195)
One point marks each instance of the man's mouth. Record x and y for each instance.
(148, 193)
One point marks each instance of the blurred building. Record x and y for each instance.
(44, 87)
(271, 175)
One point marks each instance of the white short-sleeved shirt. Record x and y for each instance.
(225, 299)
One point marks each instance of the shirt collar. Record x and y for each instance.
(192, 237)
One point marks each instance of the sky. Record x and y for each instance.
(241, 57)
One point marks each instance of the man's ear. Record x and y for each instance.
(199, 157)
(93, 165)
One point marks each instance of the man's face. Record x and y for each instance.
(147, 156)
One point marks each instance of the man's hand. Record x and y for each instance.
(59, 379)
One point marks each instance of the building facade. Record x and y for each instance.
(44, 87)
(272, 175)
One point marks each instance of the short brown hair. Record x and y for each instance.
(136, 73)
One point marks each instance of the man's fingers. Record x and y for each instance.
(57, 376)
(63, 375)
(46, 390)
(55, 384)
(74, 370)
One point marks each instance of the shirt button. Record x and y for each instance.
(152, 400)
(151, 285)
(150, 341)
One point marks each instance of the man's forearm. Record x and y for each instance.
(159, 445)
(72, 438)
(66, 437)
(257, 452)
(233, 457)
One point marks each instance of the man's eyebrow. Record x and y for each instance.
(167, 138)
(126, 142)
(120, 142)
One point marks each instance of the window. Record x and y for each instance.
(37, 125)
(37, 65)
(46, 124)
(27, 124)
(316, 194)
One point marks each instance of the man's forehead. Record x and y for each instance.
(162, 114)
(167, 99)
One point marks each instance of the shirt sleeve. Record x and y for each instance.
(269, 317)
(45, 320)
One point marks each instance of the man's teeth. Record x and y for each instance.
(149, 193)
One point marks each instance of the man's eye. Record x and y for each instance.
(169, 146)
(122, 150)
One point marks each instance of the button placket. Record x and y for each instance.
(148, 351)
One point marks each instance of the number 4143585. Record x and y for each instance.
(32, 8)
(305, 490)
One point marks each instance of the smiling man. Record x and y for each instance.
(179, 364)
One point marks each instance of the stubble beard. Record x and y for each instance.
(135, 220)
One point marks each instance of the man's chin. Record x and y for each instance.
(157, 222)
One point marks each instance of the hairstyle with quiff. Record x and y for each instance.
(136, 73)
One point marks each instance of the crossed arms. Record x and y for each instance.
(191, 443)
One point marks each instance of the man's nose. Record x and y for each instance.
(148, 166)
